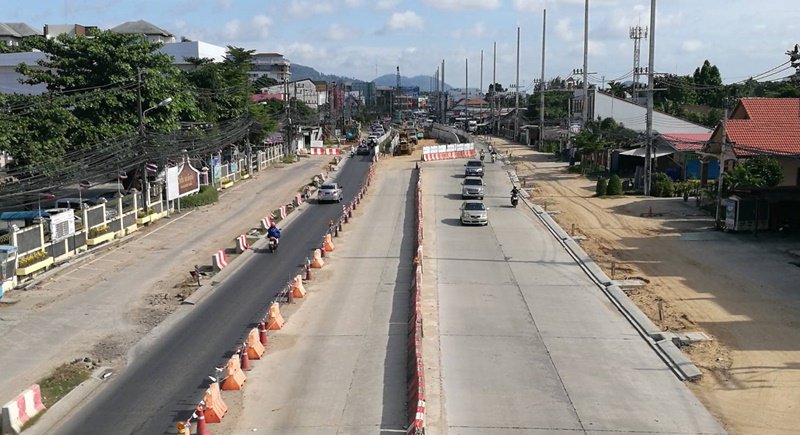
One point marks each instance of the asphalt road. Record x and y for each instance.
(163, 384)
(528, 343)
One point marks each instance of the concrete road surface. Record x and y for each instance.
(164, 383)
(529, 345)
(338, 366)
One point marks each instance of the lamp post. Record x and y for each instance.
(142, 114)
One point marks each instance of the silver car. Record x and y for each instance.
(330, 192)
(474, 213)
(472, 187)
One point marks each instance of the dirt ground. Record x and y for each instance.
(738, 289)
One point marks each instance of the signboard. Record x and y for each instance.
(188, 180)
(216, 169)
(172, 183)
(62, 225)
(317, 144)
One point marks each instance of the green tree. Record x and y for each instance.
(99, 73)
(264, 82)
(617, 89)
(709, 84)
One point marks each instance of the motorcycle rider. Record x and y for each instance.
(483, 154)
(274, 233)
(514, 195)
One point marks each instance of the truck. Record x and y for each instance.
(404, 145)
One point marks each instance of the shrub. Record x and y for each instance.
(144, 213)
(661, 185)
(288, 159)
(207, 195)
(32, 258)
(97, 231)
(614, 185)
(602, 187)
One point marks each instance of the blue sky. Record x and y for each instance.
(353, 37)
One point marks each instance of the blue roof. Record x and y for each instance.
(22, 215)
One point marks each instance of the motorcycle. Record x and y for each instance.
(272, 245)
(514, 200)
(494, 157)
(482, 156)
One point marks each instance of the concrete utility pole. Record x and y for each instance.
(542, 84)
(494, 87)
(466, 87)
(444, 94)
(480, 93)
(723, 149)
(585, 111)
(648, 164)
(516, 102)
(637, 34)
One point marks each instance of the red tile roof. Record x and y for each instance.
(687, 141)
(767, 126)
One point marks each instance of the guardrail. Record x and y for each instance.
(416, 365)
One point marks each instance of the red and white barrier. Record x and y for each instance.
(219, 260)
(266, 222)
(282, 212)
(298, 199)
(324, 151)
(241, 244)
(448, 151)
(18, 411)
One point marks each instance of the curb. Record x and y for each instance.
(659, 340)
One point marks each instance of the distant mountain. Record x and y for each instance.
(302, 72)
(424, 82)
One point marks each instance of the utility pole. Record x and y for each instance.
(585, 111)
(480, 93)
(542, 83)
(648, 164)
(444, 99)
(637, 34)
(145, 184)
(494, 88)
(466, 92)
(723, 149)
(516, 102)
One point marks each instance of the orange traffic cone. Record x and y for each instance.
(201, 422)
(245, 358)
(262, 333)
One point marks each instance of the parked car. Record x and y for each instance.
(330, 192)
(474, 212)
(473, 168)
(472, 187)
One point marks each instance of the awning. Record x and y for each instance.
(640, 152)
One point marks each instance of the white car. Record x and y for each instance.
(329, 192)
(474, 213)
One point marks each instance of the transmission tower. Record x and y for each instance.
(637, 34)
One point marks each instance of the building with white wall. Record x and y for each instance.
(271, 65)
(301, 90)
(179, 51)
(11, 34)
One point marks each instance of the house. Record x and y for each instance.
(152, 32)
(271, 65)
(761, 127)
(301, 90)
(11, 34)
(9, 77)
(180, 51)
(53, 30)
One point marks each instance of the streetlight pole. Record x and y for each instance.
(142, 114)
(648, 163)
(585, 112)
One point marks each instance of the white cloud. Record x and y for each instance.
(300, 8)
(305, 53)
(230, 30)
(460, 5)
(564, 30)
(225, 4)
(404, 20)
(262, 25)
(353, 3)
(341, 32)
(692, 45)
(386, 4)
(477, 30)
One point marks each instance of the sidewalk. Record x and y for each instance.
(100, 306)
(738, 289)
